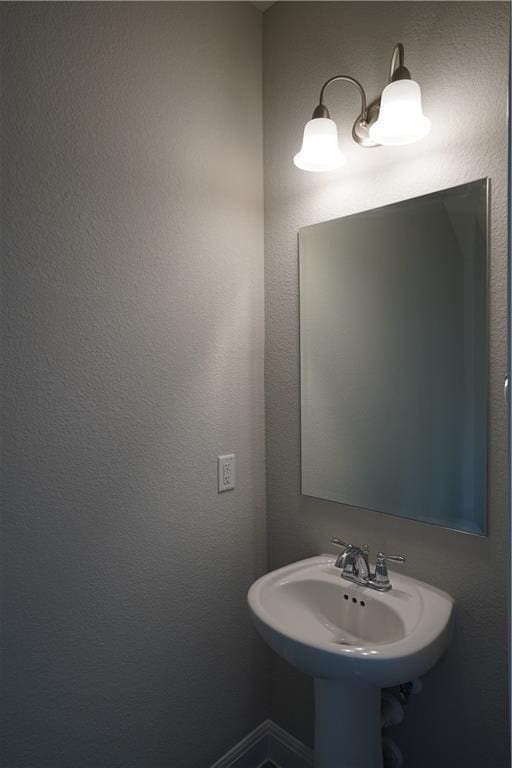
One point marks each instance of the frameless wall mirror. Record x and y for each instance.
(393, 326)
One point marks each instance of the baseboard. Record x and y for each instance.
(268, 742)
(285, 751)
(250, 752)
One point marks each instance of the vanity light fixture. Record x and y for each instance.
(395, 119)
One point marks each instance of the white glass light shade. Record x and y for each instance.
(401, 119)
(320, 150)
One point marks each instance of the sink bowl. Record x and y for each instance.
(354, 641)
(332, 628)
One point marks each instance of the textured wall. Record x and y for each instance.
(458, 52)
(133, 319)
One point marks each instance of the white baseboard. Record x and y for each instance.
(267, 742)
(250, 752)
(285, 751)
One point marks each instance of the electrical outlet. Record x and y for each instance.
(226, 472)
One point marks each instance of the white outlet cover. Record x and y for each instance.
(226, 472)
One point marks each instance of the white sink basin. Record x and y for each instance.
(332, 628)
(354, 641)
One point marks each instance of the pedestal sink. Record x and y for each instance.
(354, 641)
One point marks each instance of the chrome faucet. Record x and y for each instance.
(353, 562)
(354, 566)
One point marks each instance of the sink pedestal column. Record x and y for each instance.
(347, 725)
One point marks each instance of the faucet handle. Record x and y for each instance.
(381, 558)
(339, 542)
(380, 578)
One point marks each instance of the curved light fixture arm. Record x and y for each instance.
(360, 127)
(398, 71)
(347, 79)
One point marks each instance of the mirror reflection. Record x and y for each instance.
(393, 331)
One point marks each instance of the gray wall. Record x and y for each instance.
(133, 320)
(133, 338)
(458, 52)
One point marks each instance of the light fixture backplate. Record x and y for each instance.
(360, 129)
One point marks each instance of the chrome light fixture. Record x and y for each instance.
(393, 120)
